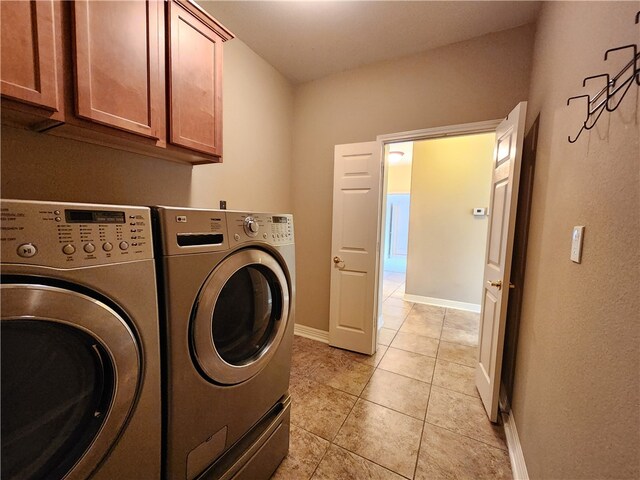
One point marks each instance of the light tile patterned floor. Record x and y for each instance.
(410, 411)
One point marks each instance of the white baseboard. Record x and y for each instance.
(441, 302)
(312, 333)
(518, 465)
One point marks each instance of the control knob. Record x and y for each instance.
(251, 226)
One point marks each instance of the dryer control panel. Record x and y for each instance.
(191, 230)
(266, 227)
(184, 231)
(72, 235)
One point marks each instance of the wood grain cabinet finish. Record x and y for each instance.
(144, 76)
(117, 62)
(195, 78)
(29, 63)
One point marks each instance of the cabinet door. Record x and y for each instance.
(117, 61)
(195, 86)
(28, 53)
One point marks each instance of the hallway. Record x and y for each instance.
(409, 411)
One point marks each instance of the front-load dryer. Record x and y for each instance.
(80, 343)
(226, 288)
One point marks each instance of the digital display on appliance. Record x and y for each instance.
(279, 219)
(93, 216)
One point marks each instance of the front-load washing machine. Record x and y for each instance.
(226, 288)
(80, 343)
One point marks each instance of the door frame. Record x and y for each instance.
(412, 136)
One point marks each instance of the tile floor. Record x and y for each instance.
(409, 411)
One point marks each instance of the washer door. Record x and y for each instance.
(70, 373)
(240, 317)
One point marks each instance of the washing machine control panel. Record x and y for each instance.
(265, 227)
(281, 229)
(185, 231)
(70, 235)
(251, 226)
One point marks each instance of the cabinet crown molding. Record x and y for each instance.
(206, 18)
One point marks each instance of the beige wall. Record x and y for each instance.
(577, 384)
(399, 174)
(399, 178)
(37, 166)
(447, 243)
(258, 119)
(257, 102)
(480, 79)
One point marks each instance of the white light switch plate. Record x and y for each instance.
(576, 244)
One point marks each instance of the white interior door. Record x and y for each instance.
(502, 211)
(397, 226)
(354, 246)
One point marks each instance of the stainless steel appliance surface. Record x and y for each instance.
(226, 290)
(80, 342)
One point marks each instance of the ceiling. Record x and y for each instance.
(306, 40)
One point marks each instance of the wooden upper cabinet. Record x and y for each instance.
(195, 78)
(119, 66)
(143, 76)
(29, 64)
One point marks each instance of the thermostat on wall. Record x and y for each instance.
(479, 211)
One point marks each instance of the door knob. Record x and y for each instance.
(497, 284)
(337, 260)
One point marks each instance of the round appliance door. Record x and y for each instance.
(241, 316)
(70, 373)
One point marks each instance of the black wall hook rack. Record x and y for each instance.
(613, 91)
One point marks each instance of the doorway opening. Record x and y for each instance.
(397, 199)
(447, 342)
(436, 194)
(465, 170)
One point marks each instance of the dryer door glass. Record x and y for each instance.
(240, 316)
(247, 309)
(70, 373)
(56, 385)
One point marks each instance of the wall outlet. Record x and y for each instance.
(576, 244)
(223, 204)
